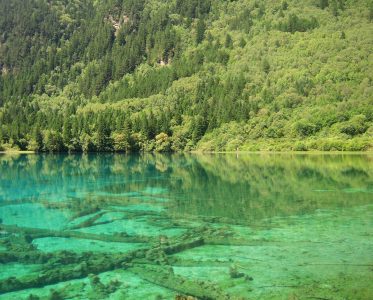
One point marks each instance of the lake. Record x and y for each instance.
(219, 226)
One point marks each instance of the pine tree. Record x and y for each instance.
(266, 66)
(228, 41)
(284, 5)
(323, 4)
(38, 137)
(242, 43)
(200, 31)
(66, 132)
(102, 135)
(370, 13)
(334, 8)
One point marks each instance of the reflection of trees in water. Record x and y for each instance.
(250, 186)
(264, 185)
(233, 190)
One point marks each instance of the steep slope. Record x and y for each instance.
(178, 75)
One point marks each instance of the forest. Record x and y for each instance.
(186, 75)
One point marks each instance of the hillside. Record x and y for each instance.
(173, 75)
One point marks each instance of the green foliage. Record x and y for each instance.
(102, 139)
(228, 42)
(193, 8)
(200, 31)
(357, 125)
(304, 128)
(323, 4)
(266, 66)
(163, 76)
(243, 21)
(53, 141)
(162, 143)
(294, 24)
(86, 143)
(284, 5)
(121, 142)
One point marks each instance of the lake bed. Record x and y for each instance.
(213, 226)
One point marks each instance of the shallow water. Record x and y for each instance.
(224, 226)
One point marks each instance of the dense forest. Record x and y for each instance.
(182, 75)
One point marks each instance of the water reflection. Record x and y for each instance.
(248, 187)
(210, 226)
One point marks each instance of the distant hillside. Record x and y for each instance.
(180, 75)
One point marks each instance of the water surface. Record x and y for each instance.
(227, 226)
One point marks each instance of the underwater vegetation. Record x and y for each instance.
(253, 226)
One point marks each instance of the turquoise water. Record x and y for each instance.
(223, 226)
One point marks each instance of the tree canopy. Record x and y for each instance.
(151, 75)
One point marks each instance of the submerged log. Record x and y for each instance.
(179, 247)
(180, 284)
(88, 223)
(40, 233)
(29, 257)
(66, 265)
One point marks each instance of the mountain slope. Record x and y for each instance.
(178, 75)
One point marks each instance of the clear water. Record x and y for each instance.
(224, 226)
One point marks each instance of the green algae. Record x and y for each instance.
(200, 232)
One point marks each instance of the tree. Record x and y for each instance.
(242, 43)
(323, 4)
(115, 75)
(305, 128)
(266, 67)
(199, 128)
(228, 41)
(38, 138)
(121, 142)
(357, 125)
(334, 6)
(66, 132)
(53, 141)
(102, 137)
(200, 31)
(162, 143)
(86, 143)
(284, 5)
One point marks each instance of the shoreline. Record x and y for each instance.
(17, 152)
(282, 152)
(199, 152)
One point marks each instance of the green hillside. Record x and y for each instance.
(174, 75)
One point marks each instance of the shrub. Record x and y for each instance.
(357, 125)
(86, 143)
(162, 143)
(121, 142)
(305, 128)
(300, 146)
